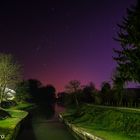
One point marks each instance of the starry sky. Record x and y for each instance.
(61, 40)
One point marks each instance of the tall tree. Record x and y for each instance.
(73, 87)
(128, 56)
(9, 74)
(89, 93)
(106, 92)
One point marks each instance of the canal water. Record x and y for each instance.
(43, 124)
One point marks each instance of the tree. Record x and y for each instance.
(106, 92)
(34, 87)
(22, 92)
(128, 56)
(47, 94)
(89, 92)
(62, 98)
(118, 87)
(9, 74)
(73, 87)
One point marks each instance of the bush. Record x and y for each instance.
(4, 114)
(7, 104)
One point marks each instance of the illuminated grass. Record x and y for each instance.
(23, 106)
(106, 135)
(108, 123)
(10, 126)
(10, 123)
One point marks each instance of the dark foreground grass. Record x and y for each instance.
(107, 123)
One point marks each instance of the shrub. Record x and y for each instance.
(7, 104)
(4, 114)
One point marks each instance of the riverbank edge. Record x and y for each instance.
(23, 108)
(78, 131)
(86, 132)
(15, 130)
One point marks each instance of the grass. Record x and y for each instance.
(11, 122)
(107, 122)
(23, 106)
(107, 135)
(10, 125)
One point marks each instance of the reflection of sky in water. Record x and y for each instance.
(42, 128)
(49, 127)
(59, 109)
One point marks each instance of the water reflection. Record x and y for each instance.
(47, 111)
(43, 124)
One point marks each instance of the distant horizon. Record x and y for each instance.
(62, 89)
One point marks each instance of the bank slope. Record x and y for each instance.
(107, 123)
(10, 126)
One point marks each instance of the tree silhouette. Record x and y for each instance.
(105, 87)
(34, 87)
(106, 92)
(88, 93)
(62, 97)
(73, 87)
(47, 94)
(128, 56)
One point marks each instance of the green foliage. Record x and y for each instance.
(22, 91)
(128, 56)
(123, 121)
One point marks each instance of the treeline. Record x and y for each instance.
(32, 90)
(77, 94)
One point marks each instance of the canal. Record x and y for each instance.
(43, 124)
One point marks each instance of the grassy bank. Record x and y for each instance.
(24, 106)
(107, 123)
(10, 126)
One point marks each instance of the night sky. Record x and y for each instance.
(58, 41)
